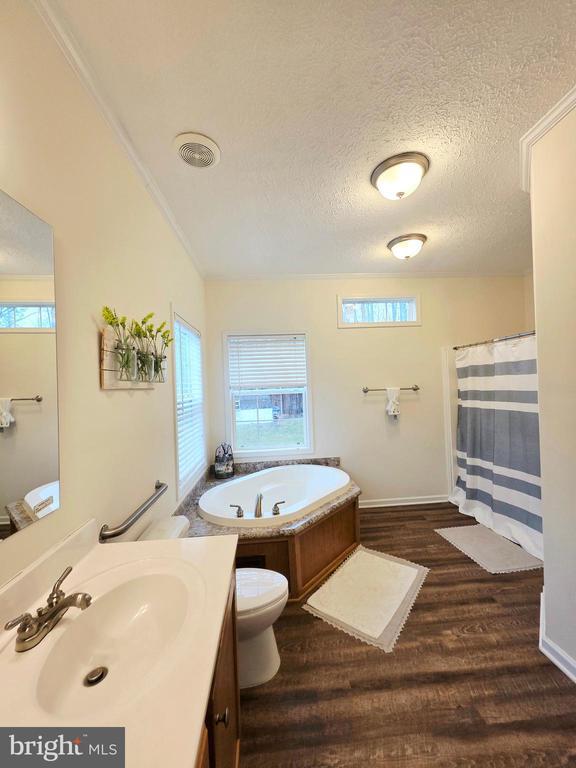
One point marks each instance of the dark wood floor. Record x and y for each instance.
(465, 686)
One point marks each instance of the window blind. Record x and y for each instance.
(189, 404)
(264, 362)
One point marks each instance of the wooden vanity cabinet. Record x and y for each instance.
(203, 759)
(223, 713)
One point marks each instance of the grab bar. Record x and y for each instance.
(413, 388)
(107, 533)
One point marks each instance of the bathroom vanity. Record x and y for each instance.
(160, 621)
(220, 745)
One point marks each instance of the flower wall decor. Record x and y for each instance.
(140, 347)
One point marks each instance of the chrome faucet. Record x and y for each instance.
(239, 510)
(276, 507)
(33, 629)
(258, 507)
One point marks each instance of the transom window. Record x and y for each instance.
(268, 394)
(27, 316)
(378, 311)
(189, 405)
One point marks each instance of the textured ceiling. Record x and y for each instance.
(305, 97)
(25, 241)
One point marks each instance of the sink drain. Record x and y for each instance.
(95, 676)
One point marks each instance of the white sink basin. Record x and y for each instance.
(154, 624)
(129, 631)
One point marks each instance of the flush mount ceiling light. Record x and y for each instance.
(400, 175)
(197, 150)
(406, 246)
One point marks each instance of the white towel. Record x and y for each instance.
(393, 403)
(6, 417)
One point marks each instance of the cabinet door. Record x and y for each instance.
(203, 761)
(223, 717)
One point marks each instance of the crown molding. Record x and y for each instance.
(71, 51)
(234, 277)
(540, 129)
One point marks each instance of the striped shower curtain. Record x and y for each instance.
(498, 449)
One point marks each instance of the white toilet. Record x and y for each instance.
(260, 599)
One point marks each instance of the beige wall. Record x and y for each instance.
(29, 448)
(529, 300)
(26, 288)
(389, 460)
(112, 246)
(553, 194)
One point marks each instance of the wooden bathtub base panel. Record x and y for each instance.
(311, 555)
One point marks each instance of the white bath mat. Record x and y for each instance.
(369, 596)
(492, 552)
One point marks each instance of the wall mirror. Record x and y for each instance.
(29, 478)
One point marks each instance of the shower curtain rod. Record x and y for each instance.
(493, 341)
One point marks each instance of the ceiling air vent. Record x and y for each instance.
(197, 150)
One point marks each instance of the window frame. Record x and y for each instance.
(182, 490)
(341, 298)
(29, 304)
(267, 453)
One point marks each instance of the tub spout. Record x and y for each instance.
(258, 507)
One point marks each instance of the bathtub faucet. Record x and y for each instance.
(276, 507)
(258, 507)
(239, 510)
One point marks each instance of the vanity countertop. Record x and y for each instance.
(160, 698)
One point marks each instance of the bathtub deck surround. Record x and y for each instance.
(305, 550)
(20, 515)
(201, 527)
(185, 584)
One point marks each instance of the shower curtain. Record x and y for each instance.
(498, 449)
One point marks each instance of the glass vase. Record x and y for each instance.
(126, 362)
(145, 366)
(160, 368)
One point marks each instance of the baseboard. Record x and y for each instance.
(557, 656)
(403, 501)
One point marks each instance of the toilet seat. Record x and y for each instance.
(257, 589)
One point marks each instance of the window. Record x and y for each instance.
(375, 312)
(268, 393)
(27, 316)
(189, 405)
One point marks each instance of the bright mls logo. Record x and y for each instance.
(31, 747)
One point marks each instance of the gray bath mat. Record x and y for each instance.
(492, 552)
(369, 596)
